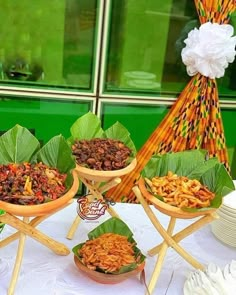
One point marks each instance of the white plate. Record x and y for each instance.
(140, 75)
(230, 200)
(144, 84)
(225, 210)
(226, 230)
(225, 234)
(228, 209)
(226, 216)
(223, 238)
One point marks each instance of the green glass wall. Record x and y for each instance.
(46, 118)
(144, 47)
(117, 58)
(140, 120)
(48, 43)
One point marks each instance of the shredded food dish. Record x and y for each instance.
(180, 191)
(109, 252)
(30, 184)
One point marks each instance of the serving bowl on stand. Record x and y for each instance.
(104, 232)
(169, 209)
(20, 147)
(44, 208)
(191, 165)
(104, 176)
(104, 278)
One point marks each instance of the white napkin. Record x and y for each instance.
(212, 281)
(216, 277)
(209, 50)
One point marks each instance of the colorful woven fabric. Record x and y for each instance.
(194, 121)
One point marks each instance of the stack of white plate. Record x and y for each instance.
(140, 79)
(224, 228)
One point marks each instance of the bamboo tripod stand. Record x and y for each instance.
(18, 217)
(170, 240)
(97, 183)
(96, 191)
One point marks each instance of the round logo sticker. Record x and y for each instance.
(90, 207)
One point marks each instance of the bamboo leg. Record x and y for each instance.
(186, 232)
(18, 261)
(34, 222)
(96, 191)
(112, 212)
(109, 185)
(90, 186)
(163, 232)
(73, 228)
(27, 229)
(160, 259)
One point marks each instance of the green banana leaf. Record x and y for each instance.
(117, 226)
(195, 165)
(19, 145)
(89, 126)
(118, 131)
(1, 224)
(57, 153)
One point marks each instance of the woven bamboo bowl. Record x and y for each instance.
(103, 176)
(45, 208)
(104, 278)
(166, 208)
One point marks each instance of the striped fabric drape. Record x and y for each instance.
(194, 121)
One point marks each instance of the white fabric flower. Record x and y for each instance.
(209, 50)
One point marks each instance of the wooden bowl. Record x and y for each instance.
(103, 278)
(45, 208)
(100, 176)
(166, 208)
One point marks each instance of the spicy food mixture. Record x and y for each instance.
(180, 191)
(101, 153)
(30, 184)
(109, 252)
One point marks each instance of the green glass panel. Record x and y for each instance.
(46, 118)
(229, 120)
(48, 43)
(145, 41)
(140, 120)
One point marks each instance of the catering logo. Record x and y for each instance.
(91, 208)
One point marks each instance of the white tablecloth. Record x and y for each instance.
(43, 272)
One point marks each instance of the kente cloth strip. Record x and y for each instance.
(194, 121)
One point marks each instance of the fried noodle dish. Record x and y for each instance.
(180, 191)
(109, 252)
(30, 184)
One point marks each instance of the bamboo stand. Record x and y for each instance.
(97, 183)
(26, 228)
(18, 217)
(96, 189)
(169, 239)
